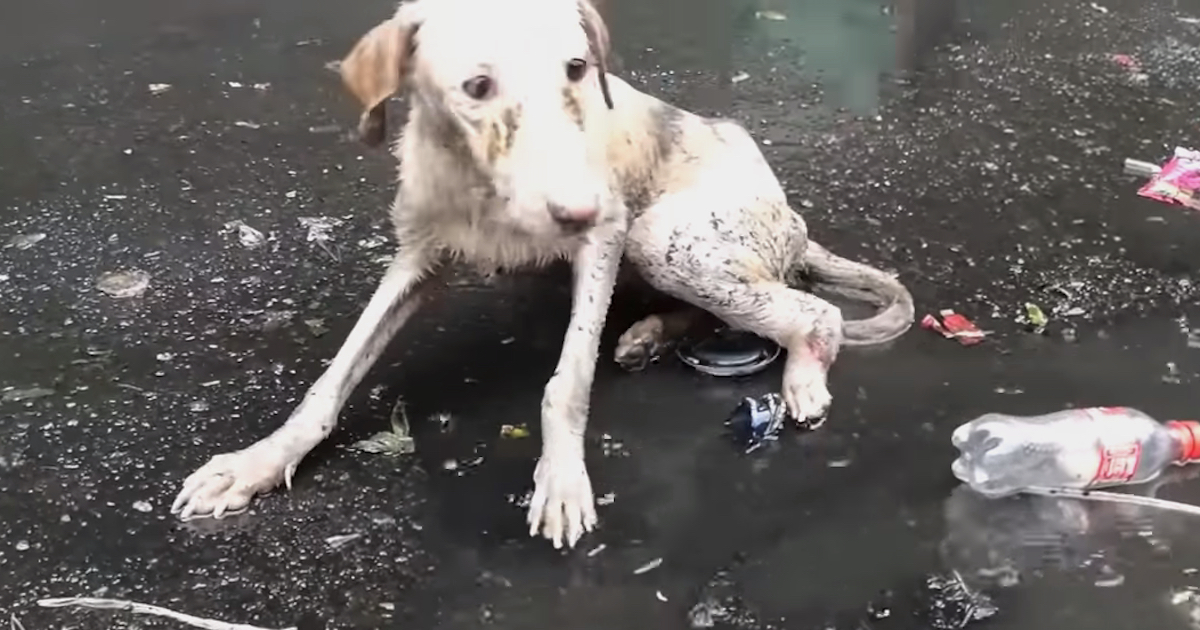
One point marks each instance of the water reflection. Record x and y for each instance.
(1003, 542)
(849, 46)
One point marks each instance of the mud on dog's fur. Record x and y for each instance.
(521, 149)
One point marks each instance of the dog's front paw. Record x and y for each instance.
(229, 481)
(562, 508)
(805, 391)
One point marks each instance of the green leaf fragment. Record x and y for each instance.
(1035, 315)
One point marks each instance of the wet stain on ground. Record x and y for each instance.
(199, 153)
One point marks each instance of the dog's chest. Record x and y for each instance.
(494, 247)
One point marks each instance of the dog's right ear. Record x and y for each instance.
(376, 68)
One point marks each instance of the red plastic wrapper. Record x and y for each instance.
(1178, 181)
(954, 326)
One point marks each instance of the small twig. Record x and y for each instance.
(1116, 497)
(144, 609)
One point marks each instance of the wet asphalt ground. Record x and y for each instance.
(976, 150)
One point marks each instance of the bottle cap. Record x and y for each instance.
(1187, 433)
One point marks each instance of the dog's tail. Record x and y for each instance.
(862, 282)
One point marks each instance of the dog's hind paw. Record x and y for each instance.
(641, 344)
(563, 508)
(229, 481)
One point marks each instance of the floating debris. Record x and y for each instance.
(123, 284)
(25, 241)
(32, 393)
(143, 506)
(145, 609)
(739, 77)
(648, 567)
(517, 432)
(595, 551)
(756, 421)
(949, 604)
(660, 596)
(316, 326)
(774, 16)
(1035, 318)
(322, 129)
(247, 124)
(393, 443)
(247, 236)
(159, 88)
(341, 540)
(606, 499)
(954, 326)
(319, 228)
(1177, 182)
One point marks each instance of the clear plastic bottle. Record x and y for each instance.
(1083, 449)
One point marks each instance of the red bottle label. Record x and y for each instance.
(1119, 458)
(1118, 464)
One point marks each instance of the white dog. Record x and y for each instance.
(520, 149)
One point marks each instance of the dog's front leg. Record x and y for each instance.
(563, 508)
(229, 481)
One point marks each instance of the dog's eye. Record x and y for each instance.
(479, 87)
(576, 68)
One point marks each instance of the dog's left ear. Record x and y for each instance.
(377, 66)
(597, 34)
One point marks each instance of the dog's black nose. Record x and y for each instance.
(574, 219)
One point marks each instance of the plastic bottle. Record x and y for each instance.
(1082, 449)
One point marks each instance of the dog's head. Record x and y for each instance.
(519, 85)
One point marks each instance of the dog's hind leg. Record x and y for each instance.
(732, 260)
(652, 336)
(229, 481)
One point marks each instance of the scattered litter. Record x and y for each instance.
(596, 550)
(145, 609)
(164, 356)
(950, 604)
(322, 129)
(739, 77)
(32, 393)
(1098, 8)
(648, 567)
(14, 623)
(838, 463)
(1140, 168)
(1189, 20)
(1130, 63)
(248, 236)
(1034, 318)
(159, 88)
(258, 86)
(606, 499)
(143, 506)
(1109, 578)
(25, 241)
(334, 66)
(21, 545)
(341, 540)
(954, 326)
(123, 284)
(319, 229)
(612, 447)
(729, 352)
(774, 16)
(316, 326)
(511, 431)
(756, 421)
(247, 124)
(1177, 182)
(1172, 377)
(660, 596)
(394, 442)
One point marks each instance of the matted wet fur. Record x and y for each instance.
(520, 149)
